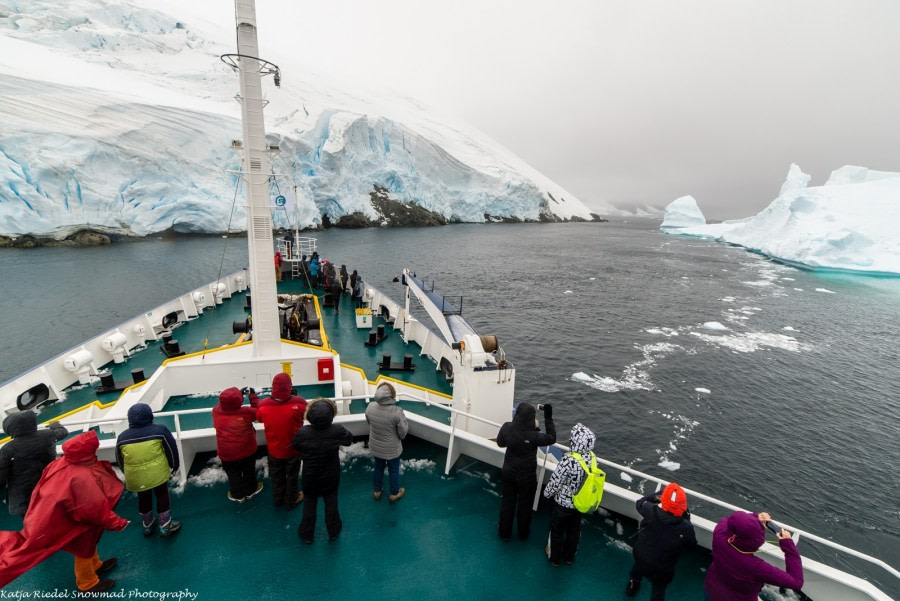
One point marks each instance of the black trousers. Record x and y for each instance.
(660, 579)
(333, 521)
(518, 496)
(565, 532)
(284, 474)
(145, 499)
(241, 476)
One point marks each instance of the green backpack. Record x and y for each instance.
(587, 499)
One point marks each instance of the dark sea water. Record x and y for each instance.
(763, 385)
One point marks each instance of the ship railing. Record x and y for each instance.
(457, 413)
(659, 481)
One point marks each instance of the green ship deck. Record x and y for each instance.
(212, 329)
(438, 542)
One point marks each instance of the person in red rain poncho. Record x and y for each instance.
(70, 508)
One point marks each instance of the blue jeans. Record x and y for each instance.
(393, 466)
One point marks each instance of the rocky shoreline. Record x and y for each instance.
(391, 213)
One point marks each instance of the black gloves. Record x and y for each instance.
(547, 408)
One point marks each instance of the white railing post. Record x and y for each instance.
(182, 468)
(450, 443)
(537, 493)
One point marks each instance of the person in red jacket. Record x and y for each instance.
(281, 416)
(236, 442)
(70, 508)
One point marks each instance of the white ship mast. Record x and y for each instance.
(264, 308)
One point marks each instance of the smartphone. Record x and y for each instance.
(775, 528)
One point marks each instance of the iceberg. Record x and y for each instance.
(121, 118)
(683, 212)
(848, 224)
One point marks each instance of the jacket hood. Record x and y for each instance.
(524, 416)
(231, 399)
(582, 440)
(23, 422)
(140, 414)
(320, 413)
(747, 530)
(83, 448)
(385, 394)
(282, 387)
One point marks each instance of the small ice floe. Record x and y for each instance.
(426, 465)
(788, 328)
(825, 290)
(714, 325)
(626, 477)
(669, 465)
(568, 292)
(799, 289)
(703, 390)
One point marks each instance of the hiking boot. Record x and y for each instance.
(398, 496)
(259, 487)
(149, 527)
(107, 565)
(333, 537)
(235, 499)
(169, 528)
(632, 587)
(103, 585)
(376, 495)
(297, 500)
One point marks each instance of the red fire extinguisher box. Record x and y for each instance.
(326, 369)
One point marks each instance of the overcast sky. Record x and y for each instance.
(631, 102)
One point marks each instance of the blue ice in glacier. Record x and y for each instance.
(119, 116)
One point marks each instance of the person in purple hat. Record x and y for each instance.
(736, 574)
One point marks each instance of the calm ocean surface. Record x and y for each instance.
(770, 387)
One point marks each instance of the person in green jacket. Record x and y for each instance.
(147, 455)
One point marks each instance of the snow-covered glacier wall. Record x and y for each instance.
(119, 116)
(850, 223)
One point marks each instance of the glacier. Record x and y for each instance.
(848, 224)
(683, 212)
(120, 117)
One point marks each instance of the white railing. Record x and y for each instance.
(456, 413)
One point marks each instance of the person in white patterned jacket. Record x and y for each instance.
(565, 521)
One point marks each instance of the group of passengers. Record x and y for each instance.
(665, 530)
(318, 272)
(70, 501)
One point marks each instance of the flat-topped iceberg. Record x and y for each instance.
(683, 212)
(848, 224)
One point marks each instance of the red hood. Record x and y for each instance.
(282, 388)
(231, 399)
(82, 448)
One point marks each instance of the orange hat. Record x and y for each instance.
(674, 500)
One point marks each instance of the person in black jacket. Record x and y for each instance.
(319, 443)
(521, 438)
(665, 532)
(23, 459)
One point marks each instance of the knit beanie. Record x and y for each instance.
(674, 500)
